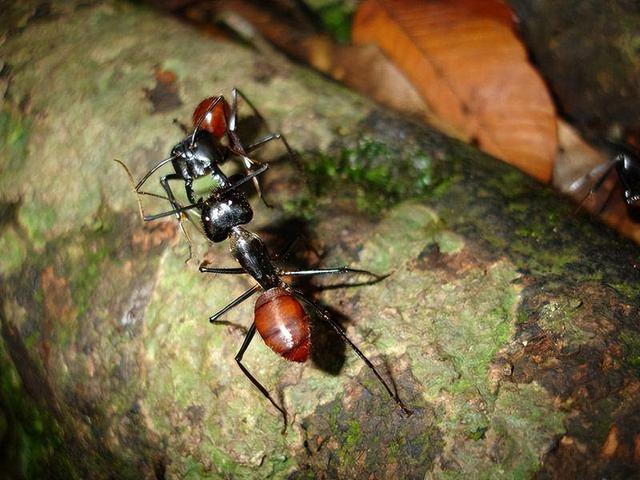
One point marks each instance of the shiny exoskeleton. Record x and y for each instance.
(199, 153)
(279, 318)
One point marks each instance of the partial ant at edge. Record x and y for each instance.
(626, 164)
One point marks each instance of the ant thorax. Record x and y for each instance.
(252, 254)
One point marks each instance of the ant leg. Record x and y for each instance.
(237, 149)
(604, 204)
(234, 101)
(191, 206)
(187, 236)
(251, 175)
(153, 169)
(274, 136)
(149, 218)
(222, 270)
(603, 169)
(325, 316)
(333, 271)
(214, 318)
(164, 182)
(270, 137)
(233, 114)
(256, 383)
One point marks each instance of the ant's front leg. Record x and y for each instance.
(199, 203)
(164, 182)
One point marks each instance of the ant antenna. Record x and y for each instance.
(133, 186)
(150, 172)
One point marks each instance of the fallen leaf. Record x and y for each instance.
(468, 65)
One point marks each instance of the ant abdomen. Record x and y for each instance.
(283, 324)
(211, 115)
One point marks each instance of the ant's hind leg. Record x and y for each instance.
(256, 383)
(244, 296)
(334, 271)
(327, 318)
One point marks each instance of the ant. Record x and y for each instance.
(279, 318)
(201, 151)
(627, 166)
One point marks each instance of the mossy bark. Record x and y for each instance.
(509, 325)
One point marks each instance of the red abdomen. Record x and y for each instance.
(283, 324)
(212, 119)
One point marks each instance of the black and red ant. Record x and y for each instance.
(627, 166)
(198, 154)
(202, 152)
(280, 318)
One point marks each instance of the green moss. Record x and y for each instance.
(630, 340)
(629, 288)
(373, 174)
(34, 445)
(478, 433)
(352, 436)
(14, 139)
(85, 277)
(303, 208)
(525, 424)
(37, 219)
(557, 317)
(13, 251)
(335, 16)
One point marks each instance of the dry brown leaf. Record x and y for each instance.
(466, 62)
(355, 66)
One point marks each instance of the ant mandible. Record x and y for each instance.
(279, 316)
(627, 166)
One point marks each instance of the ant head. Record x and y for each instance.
(212, 115)
(195, 154)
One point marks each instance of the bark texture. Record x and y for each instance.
(509, 325)
(589, 53)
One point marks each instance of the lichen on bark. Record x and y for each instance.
(490, 324)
